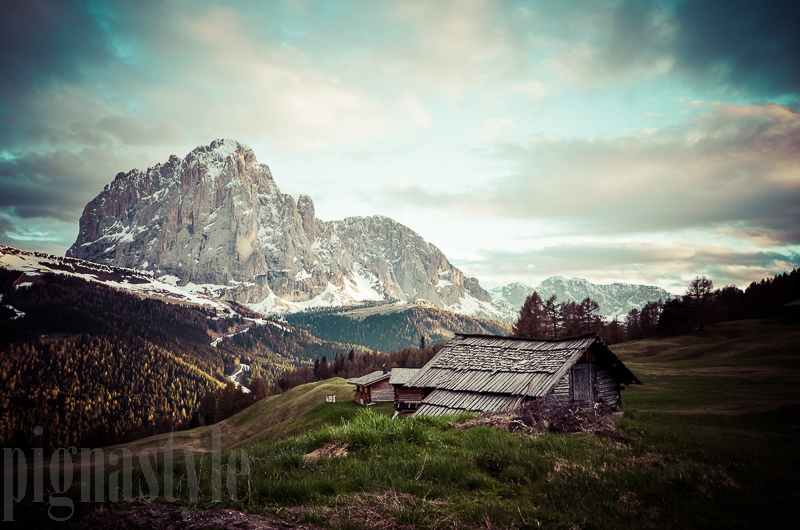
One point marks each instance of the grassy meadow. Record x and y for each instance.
(710, 441)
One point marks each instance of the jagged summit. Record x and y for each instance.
(553, 280)
(215, 221)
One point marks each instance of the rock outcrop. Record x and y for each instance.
(215, 221)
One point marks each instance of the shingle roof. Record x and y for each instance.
(510, 366)
(401, 375)
(442, 402)
(369, 379)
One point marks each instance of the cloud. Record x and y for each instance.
(5, 225)
(48, 42)
(131, 131)
(154, 74)
(441, 97)
(40, 234)
(753, 46)
(536, 90)
(669, 264)
(55, 184)
(751, 49)
(499, 128)
(732, 166)
(456, 46)
(594, 44)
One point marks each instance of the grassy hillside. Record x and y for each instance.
(299, 410)
(708, 442)
(388, 331)
(730, 368)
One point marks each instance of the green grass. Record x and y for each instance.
(666, 471)
(294, 412)
(730, 368)
(709, 441)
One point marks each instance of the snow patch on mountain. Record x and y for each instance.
(471, 306)
(17, 312)
(32, 265)
(358, 288)
(362, 285)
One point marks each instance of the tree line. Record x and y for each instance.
(91, 391)
(222, 403)
(703, 305)
(353, 364)
(700, 306)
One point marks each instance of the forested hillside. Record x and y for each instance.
(93, 364)
(394, 331)
(89, 391)
(294, 342)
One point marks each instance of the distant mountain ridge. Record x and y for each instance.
(216, 222)
(615, 300)
(393, 327)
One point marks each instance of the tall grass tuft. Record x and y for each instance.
(370, 429)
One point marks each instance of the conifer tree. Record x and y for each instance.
(699, 297)
(632, 327)
(571, 315)
(648, 318)
(553, 312)
(532, 322)
(590, 307)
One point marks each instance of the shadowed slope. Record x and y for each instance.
(731, 368)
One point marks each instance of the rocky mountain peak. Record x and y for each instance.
(215, 221)
(305, 207)
(513, 293)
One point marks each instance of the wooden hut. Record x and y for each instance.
(406, 399)
(373, 388)
(486, 373)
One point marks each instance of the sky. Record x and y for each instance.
(626, 141)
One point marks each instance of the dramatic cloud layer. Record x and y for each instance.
(730, 166)
(628, 141)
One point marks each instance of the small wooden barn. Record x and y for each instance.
(406, 399)
(373, 388)
(485, 373)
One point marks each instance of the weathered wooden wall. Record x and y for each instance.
(382, 391)
(608, 388)
(362, 395)
(561, 390)
(407, 398)
(583, 382)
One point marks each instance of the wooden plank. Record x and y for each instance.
(583, 385)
